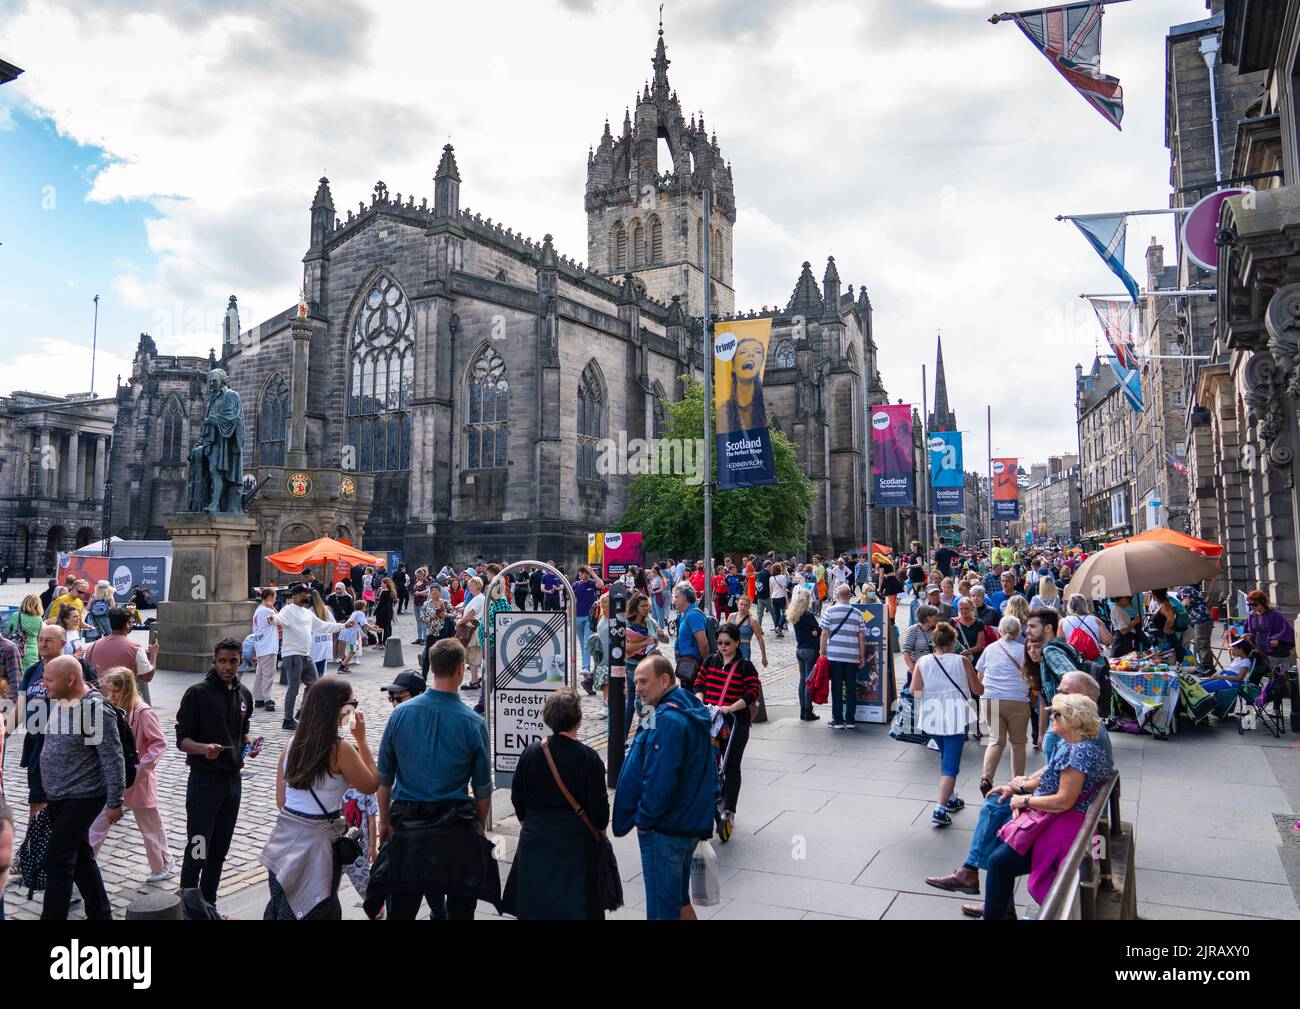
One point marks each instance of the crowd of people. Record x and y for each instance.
(992, 639)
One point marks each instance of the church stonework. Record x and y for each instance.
(445, 383)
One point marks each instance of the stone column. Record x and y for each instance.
(296, 456)
(47, 466)
(101, 462)
(70, 470)
(83, 462)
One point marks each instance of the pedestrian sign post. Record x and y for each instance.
(531, 659)
(875, 678)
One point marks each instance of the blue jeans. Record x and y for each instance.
(950, 748)
(807, 659)
(420, 631)
(666, 869)
(993, 815)
(657, 610)
(844, 692)
(584, 629)
(1050, 741)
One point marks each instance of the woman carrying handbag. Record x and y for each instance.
(945, 712)
(562, 867)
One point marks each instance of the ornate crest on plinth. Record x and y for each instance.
(299, 485)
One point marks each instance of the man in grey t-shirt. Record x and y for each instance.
(82, 772)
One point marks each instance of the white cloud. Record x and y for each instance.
(60, 367)
(927, 150)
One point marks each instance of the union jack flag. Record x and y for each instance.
(1070, 38)
(1117, 319)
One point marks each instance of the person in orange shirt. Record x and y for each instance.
(751, 578)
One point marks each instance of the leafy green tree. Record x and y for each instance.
(668, 508)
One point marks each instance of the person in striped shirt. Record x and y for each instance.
(728, 682)
(844, 645)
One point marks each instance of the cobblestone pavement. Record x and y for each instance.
(122, 860)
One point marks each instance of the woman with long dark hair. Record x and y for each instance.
(745, 410)
(316, 768)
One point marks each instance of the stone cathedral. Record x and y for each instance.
(443, 385)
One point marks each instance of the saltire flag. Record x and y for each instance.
(1130, 384)
(1106, 234)
(1070, 38)
(1117, 319)
(1176, 464)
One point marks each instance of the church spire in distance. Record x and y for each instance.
(941, 418)
(661, 61)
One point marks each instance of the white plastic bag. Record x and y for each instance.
(705, 888)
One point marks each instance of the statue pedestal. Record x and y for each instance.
(208, 595)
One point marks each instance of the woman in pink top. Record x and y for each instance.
(118, 686)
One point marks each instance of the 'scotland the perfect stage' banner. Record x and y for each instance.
(1006, 490)
(894, 480)
(947, 478)
(744, 444)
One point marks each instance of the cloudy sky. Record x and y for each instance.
(163, 156)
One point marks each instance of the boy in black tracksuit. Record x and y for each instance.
(211, 729)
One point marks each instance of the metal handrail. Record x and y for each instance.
(1075, 872)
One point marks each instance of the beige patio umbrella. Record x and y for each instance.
(1137, 566)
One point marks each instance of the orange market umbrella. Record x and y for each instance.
(1203, 547)
(877, 548)
(321, 551)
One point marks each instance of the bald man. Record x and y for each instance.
(82, 772)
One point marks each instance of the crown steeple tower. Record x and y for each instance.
(645, 210)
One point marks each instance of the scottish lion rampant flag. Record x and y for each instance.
(1117, 318)
(1130, 384)
(1106, 234)
(1070, 38)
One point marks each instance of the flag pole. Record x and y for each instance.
(1010, 14)
(708, 404)
(94, 347)
(925, 463)
(1125, 213)
(990, 430)
(1189, 292)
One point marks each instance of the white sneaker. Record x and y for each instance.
(163, 873)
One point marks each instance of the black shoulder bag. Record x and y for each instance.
(606, 882)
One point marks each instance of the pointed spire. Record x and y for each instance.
(831, 287)
(323, 200)
(627, 122)
(447, 166)
(230, 324)
(548, 253)
(942, 417)
(606, 135)
(660, 62)
(806, 299)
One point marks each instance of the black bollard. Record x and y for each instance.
(617, 679)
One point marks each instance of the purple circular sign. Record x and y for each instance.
(1201, 229)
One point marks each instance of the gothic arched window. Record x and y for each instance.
(785, 357)
(173, 431)
(716, 250)
(852, 358)
(487, 428)
(381, 379)
(591, 420)
(656, 240)
(273, 422)
(638, 244)
(659, 416)
(618, 246)
(699, 241)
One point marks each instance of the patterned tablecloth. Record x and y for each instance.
(1153, 695)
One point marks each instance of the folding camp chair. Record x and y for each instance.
(1261, 696)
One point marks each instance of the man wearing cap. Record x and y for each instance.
(405, 685)
(932, 596)
(300, 624)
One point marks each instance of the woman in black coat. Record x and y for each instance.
(552, 874)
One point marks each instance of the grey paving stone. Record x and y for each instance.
(1211, 893)
(1259, 862)
(795, 855)
(877, 808)
(750, 911)
(808, 894)
(816, 782)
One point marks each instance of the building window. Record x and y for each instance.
(699, 241)
(591, 420)
(1178, 398)
(273, 422)
(618, 246)
(638, 244)
(173, 428)
(785, 357)
(659, 412)
(488, 428)
(381, 380)
(656, 240)
(716, 250)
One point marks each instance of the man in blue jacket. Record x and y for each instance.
(667, 789)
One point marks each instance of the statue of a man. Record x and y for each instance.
(217, 461)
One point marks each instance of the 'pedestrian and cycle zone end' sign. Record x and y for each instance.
(531, 655)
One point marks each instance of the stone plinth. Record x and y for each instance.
(208, 595)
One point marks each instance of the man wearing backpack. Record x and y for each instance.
(82, 772)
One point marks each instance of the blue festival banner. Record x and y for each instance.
(947, 477)
(743, 441)
(129, 573)
(892, 473)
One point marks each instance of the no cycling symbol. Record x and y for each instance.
(531, 651)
